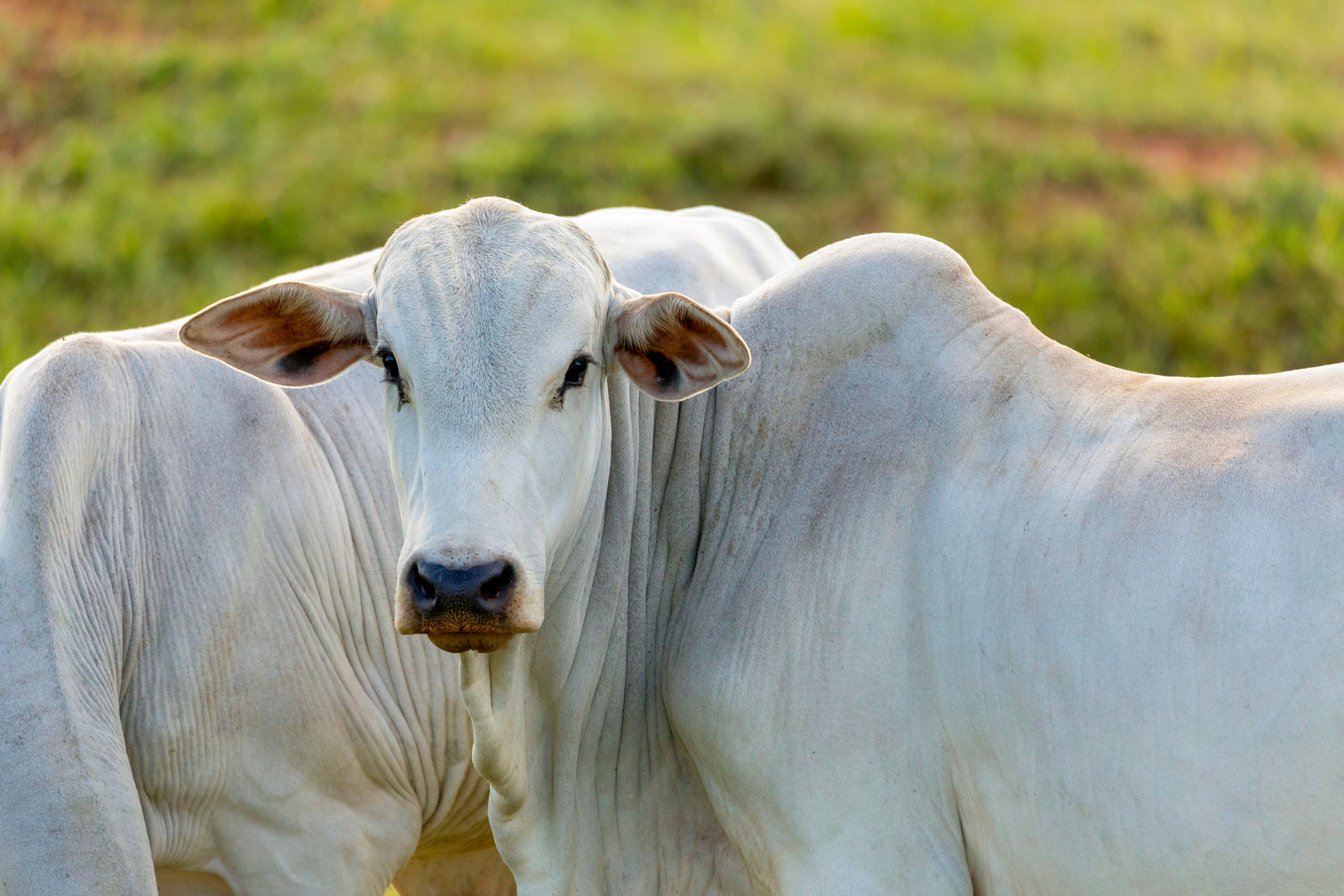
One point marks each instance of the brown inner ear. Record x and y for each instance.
(301, 359)
(654, 370)
(256, 328)
(673, 348)
(292, 334)
(664, 371)
(678, 342)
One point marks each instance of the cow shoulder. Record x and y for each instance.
(60, 408)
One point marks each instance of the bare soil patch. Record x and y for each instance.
(41, 34)
(1177, 155)
(1205, 159)
(64, 21)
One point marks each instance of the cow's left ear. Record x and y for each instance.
(291, 334)
(674, 348)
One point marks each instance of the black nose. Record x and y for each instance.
(471, 590)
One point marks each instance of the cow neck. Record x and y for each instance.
(569, 723)
(401, 677)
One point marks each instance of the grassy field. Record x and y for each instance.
(1160, 185)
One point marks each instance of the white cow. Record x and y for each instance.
(925, 603)
(199, 684)
(201, 678)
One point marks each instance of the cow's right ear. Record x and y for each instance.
(291, 334)
(673, 348)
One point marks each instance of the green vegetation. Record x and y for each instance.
(1157, 184)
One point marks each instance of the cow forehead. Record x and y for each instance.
(487, 272)
(485, 305)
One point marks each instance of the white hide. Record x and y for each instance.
(200, 681)
(203, 684)
(923, 603)
(1049, 626)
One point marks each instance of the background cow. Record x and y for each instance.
(922, 603)
(201, 675)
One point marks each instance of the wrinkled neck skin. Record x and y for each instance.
(570, 721)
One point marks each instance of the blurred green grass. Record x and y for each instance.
(1159, 185)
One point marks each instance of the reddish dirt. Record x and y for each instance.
(1170, 157)
(73, 20)
(46, 29)
(1173, 155)
(1211, 160)
(12, 143)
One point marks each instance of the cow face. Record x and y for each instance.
(495, 327)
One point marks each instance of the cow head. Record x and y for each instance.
(495, 327)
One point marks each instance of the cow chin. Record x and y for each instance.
(460, 642)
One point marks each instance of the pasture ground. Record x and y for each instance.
(1159, 185)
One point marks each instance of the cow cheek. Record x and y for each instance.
(403, 443)
(570, 484)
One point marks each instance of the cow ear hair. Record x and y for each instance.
(673, 348)
(291, 333)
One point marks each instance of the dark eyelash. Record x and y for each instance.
(392, 374)
(575, 376)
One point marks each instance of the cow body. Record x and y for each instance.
(200, 680)
(203, 683)
(923, 602)
(1027, 623)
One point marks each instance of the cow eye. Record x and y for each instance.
(574, 375)
(578, 368)
(392, 374)
(389, 362)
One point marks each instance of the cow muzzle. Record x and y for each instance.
(461, 606)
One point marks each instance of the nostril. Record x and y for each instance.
(499, 582)
(435, 589)
(424, 594)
